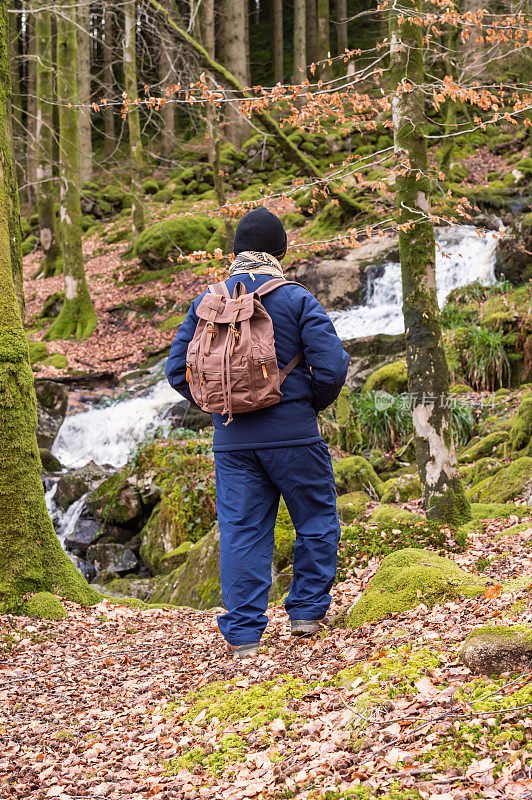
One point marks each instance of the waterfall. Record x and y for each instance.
(108, 435)
(462, 256)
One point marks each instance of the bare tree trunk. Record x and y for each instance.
(277, 41)
(84, 84)
(312, 32)
(77, 318)
(51, 263)
(341, 25)
(324, 36)
(428, 377)
(236, 61)
(167, 78)
(300, 41)
(108, 77)
(133, 117)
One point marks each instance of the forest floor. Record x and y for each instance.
(121, 703)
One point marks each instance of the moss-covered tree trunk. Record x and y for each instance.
(31, 558)
(77, 318)
(428, 376)
(108, 78)
(51, 263)
(84, 84)
(300, 41)
(133, 117)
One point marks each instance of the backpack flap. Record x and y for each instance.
(225, 311)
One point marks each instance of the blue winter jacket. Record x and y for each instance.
(299, 323)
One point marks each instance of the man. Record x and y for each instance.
(275, 451)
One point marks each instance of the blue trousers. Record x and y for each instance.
(249, 484)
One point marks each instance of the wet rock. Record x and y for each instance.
(112, 557)
(355, 474)
(175, 558)
(507, 484)
(74, 484)
(82, 536)
(115, 586)
(52, 399)
(49, 462)
(401, 488)
(115, 501)
(352, 505)
(491, 650)
(341, 283)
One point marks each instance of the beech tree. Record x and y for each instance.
(77, 318)
(108, 45)
(132, 113)
(323, 35)
(51, 263)
(428, 375)
(300, 41)
(31, 557)
(235, 59)
(277, 41)
(84, 83)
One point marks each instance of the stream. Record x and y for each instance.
(108, 433)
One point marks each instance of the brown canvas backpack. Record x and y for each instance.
(231, 361)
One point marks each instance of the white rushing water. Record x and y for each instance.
(461, 258)
(108, 435)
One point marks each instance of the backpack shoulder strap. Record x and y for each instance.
(291, 364)
(275, 283)
(220, 288)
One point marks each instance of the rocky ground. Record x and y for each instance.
(385, 710)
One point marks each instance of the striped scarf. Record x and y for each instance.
(255, 263)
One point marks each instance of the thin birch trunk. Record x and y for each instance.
(31, 111)
(31, 557)
(133, 117)
(167, 77)
(15, 102)
(108, 77)
(51, 263)
(235, 58)
(324, 36)
(341, 25)
(312, 32)
(77, 318)
(428, 377)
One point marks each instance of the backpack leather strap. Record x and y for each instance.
(220, 288)
(290, 366)
(275, 283)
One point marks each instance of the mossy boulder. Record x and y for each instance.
(352, 505)
(196, 582)
(401, 488)
(472, 473)
(507, 484)
(49, 462)
(355, 474)
(175, 237)
(45, 605)
(163, 196)
(56, 360)
(30, 244)
(175, 557)
(151, 186)
(52, 400)
(388, 513)
(409, 577)
(483, 447)
(339, 426)
(173, 322)
(112, 557)
(390, 378)
(493, 649)
(115, 501)
(521, 430)
(52, 305)
(496, 510)
(38, 351)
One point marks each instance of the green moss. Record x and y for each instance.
(389, 378)
(393, 674)
(507, 484)
(410, 577)
(401, 488)
(57, 360)
(354, 474)
(38, 351)
(339, 426)
(521, 430)
(175, 557)
(485, 447)
(387, 513)
(251, 707)
(172, 322)
(52, 305)
(285, 538)
(29, 244)
(151, 186)
(174, 237)
(228, 750)
(44, 605)
(352, 505)
(163, 196)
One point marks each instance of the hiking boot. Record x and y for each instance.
(306, 627)
(244, 650)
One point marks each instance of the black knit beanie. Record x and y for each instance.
(261, 231)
